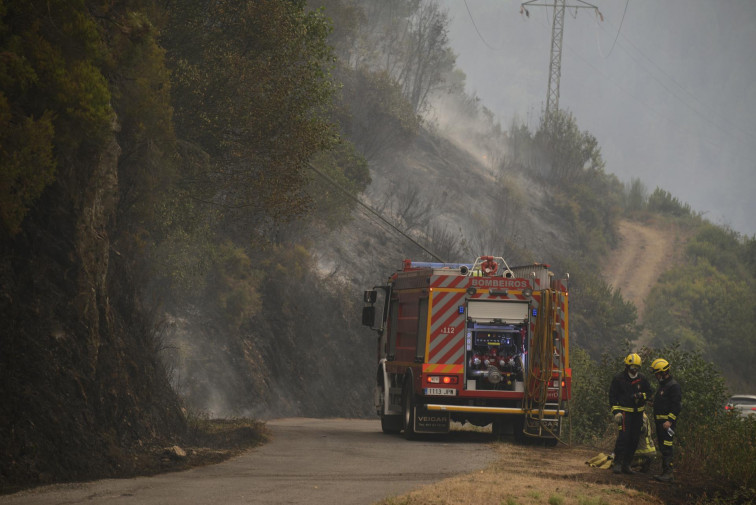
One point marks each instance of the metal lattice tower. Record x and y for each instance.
(555, 62)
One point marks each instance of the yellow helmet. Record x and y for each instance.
(660, 365)
(633, 360)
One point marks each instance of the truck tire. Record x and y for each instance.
(408, 409)
(391, 424)
(518, 425)
(550, 442)
(498, 428)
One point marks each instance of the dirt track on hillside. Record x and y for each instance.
(644, 253)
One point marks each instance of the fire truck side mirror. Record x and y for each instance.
(368, 316)
(370, 296)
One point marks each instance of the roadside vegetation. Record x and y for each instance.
(712, 446)
(715, 454)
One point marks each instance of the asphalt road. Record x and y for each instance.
(308, 461)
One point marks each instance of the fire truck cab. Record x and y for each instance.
(481, 343)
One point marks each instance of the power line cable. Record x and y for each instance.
(740, 133)
(680, 126)
(618, 29)
(372, 211)
(478, 31)
(708, 118)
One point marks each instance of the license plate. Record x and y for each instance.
(440, 391)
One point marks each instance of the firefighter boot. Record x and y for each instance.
(617, 468)
(666, 475)
(625, 468)
(646, 465)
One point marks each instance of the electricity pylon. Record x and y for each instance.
(555, 62)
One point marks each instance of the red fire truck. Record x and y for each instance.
(478, 343)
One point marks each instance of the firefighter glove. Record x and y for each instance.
(618, 418)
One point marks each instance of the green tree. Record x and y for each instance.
(568, 154)
(601, 321)
(373, 112)
(704, 309)
(54, 98)
(520, 146)
(588, 199)
(721, 247)
(338, 170)
(428, 56)
(141, 86)
(72, 73)
(663, 202)
(408, 39)
(251, 88)
(749, 255)
(636, 195)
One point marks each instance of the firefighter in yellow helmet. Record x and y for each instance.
(667, 406)
(628, 394)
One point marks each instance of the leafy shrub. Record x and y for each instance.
(590, 404)
(709, 442)
(234, 284)
(722, 447)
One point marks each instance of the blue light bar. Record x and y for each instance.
(428, 264)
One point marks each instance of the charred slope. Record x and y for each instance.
(486, 212)
(303, 353)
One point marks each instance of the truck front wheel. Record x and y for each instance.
(391, 424)
(518, 429)
(408, 409)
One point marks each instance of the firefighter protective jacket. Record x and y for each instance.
(627, 394)
(668, 400)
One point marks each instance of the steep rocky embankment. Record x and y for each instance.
(80, 381)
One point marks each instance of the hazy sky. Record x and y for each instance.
(667, 87)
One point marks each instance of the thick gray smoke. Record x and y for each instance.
(667, 88)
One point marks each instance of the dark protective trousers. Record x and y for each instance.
(665, 445)
(628, 437)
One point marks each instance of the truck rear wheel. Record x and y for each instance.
(550, 442)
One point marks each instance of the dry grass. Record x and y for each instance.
(528, 475)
